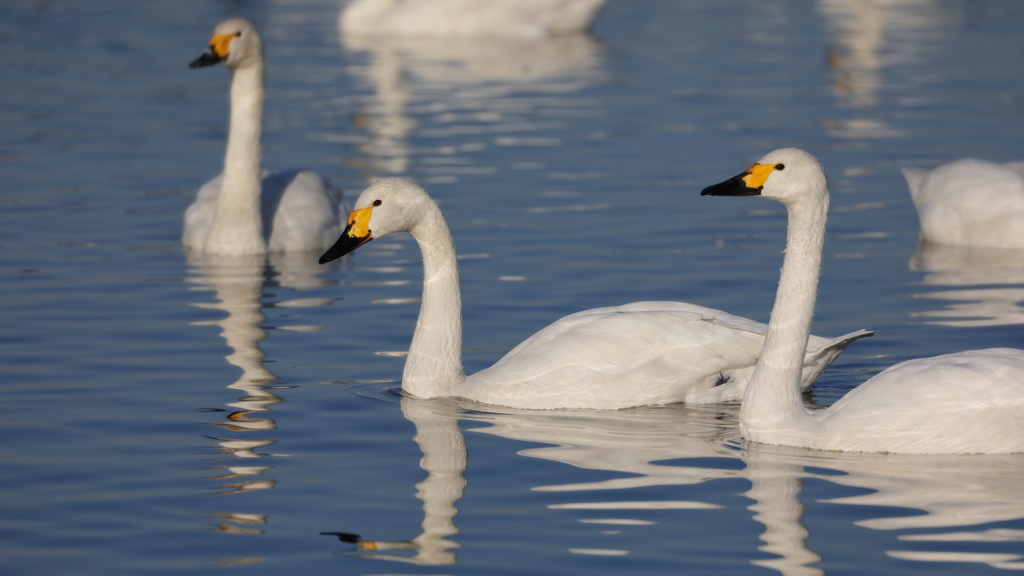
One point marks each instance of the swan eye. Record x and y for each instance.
(376, 202)
(780, 166)
(238, 33)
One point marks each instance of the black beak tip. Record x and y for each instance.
(209, 58)
(346, 537)
(345, 245)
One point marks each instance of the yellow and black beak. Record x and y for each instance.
(748, 183)
(216, 53)
(355, 235)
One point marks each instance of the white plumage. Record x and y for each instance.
(468, 18)
(607, 358)
(246, 210)
(967, 402)
(970, 203)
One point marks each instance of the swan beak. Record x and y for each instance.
(355, 235)
(216, 53)
(748, 183)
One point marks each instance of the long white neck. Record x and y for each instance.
(434, 364)
(772, 395)
(238, 225)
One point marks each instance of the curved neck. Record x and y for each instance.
(773, 393)
(434, 364)
(238, 226)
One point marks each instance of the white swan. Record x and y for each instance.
(607, 358)
(970, 203)
(465, 18)
(245, 210)
(967, 402)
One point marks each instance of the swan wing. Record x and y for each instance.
(969, 202)
(644, 353)
(305, 210)
(468, 18)
(966, 402)
(199, 215)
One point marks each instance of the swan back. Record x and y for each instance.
(468, 18)
(969, 203)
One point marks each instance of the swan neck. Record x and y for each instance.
(773, 393)
(238, 225)
(434, 365)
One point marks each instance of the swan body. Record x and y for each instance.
(246, 210)
(607, 358)
(970, 203)
(468, 18)
(967, 402)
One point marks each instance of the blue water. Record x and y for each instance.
(162, 414)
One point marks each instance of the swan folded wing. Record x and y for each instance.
(969, 202)
(955, 403)
(610, 358)
(304, 209)
(199, 215)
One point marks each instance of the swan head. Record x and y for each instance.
(787, 175)
(388, 206)
(234, 43)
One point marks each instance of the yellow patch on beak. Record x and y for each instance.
(220, 44)
(757, 175)
(359, 223)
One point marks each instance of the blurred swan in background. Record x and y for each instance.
(970, 203)
(246, 210)
(462, 18)
(967, 402)
(638, 354)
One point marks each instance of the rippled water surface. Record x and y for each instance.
(169, 413)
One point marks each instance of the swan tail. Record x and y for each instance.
(816, 361)
(915, 181)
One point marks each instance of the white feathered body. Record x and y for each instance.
(638, 354)
(468, 18)
(965, 402)
(970, 203)
(303, 209)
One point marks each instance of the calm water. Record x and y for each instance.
(167, 414)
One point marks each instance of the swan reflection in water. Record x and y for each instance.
(652, 444)
(238, 283)
(870, 35)
(467, 88)
(999, 271)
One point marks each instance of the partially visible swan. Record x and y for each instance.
(966, 402)
(970, 203)
(607, 358)
(246, 210)
(464, 18)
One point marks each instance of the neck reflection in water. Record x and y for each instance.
(653, 445)
(238, 283)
